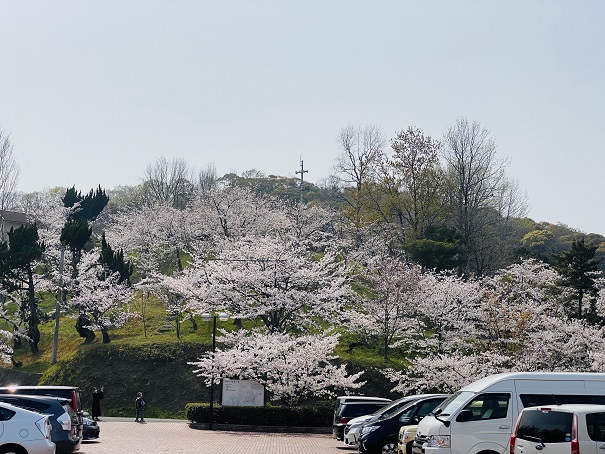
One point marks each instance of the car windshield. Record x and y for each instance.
(392, 408)
(453, 403)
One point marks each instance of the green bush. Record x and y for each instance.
(317, 415)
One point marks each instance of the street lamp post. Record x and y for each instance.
(223, 317)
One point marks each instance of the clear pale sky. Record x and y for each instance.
(93, 91)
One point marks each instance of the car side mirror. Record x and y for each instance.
(465, 415)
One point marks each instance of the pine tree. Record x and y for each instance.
(578, 268)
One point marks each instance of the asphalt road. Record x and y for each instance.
(155, 436)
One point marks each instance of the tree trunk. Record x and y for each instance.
(33, 331)
(105, 334)
(82, 328)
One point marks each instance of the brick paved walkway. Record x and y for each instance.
(124, 436)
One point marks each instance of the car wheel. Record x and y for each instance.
(389, 448)
(12, 450)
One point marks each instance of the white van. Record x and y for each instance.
(479, 418)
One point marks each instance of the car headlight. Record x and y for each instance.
(405, 437)
(368, 429)
(439, 441)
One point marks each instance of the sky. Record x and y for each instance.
(92, 92)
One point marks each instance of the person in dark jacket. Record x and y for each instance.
(97, 395)
(139, 404)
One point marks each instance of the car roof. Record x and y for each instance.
(482, 383)
(362, 398)
(38, 387)
(366, 402)
(41, 398)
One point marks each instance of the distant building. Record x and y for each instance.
(10, 219)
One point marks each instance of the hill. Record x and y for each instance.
(158, 369)
(149, 358)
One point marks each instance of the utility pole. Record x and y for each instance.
(302, 171)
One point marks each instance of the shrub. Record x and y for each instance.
(317, 415)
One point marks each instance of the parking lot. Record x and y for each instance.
(124, 436)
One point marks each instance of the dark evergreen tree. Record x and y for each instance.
(438, 250)
(114, 262)
(77, 232)
(91, 205)
(578, 268)
(17, 259)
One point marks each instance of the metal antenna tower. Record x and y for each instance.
(302, 171)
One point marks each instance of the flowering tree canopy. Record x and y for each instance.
(102, 299)
(274, 280)
(292, 369)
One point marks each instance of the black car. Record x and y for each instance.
(91, 428)
(381, 435)
(349, 410)
(63, 420)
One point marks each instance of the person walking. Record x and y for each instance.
(97, 395)
(139, 404)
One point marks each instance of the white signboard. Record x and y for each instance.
(243, 393)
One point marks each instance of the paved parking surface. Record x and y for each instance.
(124, 436)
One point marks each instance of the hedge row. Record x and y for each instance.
(319, 414)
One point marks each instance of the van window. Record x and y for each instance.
(595, 423)
(489, 406)
(549, 426)
(538, 400)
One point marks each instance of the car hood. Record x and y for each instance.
(359, 419)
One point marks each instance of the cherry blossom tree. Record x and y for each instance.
(292, 369)
(387, 301)
(517, 325)
(155, 237)
(175, 292)
(102, 299)
(513, 301)
(8, 301)
(445, 373)
(278, 282)
(447, 307)
(233, 212)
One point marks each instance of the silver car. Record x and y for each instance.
(24, 431)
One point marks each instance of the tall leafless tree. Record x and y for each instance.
(361, 151)
(207, 179)
(167, 182)
(481, 196)
(9, 178)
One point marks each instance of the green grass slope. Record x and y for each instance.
(149, 357)
(159, 370)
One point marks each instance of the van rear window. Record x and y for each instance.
(549, 427)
